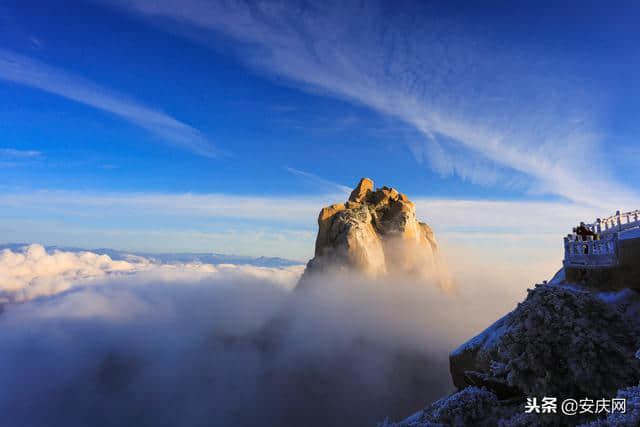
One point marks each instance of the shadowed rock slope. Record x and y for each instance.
(563, 341)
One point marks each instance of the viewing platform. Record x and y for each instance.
(605, 252)
(615, 223)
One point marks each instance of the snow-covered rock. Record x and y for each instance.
(563, 340)
(559, 341)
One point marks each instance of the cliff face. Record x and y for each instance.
(375, 232)
(564, 341)
(558, 342)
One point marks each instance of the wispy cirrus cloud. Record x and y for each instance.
(445, 214)
(13, 153)
(292, 210)
(524, 112)
(11, 157)
(26, 71)
(523, 231)
(325, 184)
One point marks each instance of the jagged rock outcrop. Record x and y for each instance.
(565, 341)
(375, 232)
(559, 342)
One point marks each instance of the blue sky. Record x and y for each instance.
(224, 126)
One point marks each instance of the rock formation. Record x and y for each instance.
(375, 232)
(559, 341)
(564, 341)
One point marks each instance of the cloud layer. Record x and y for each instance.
(518, 231)
(33, 272)
(227, 345)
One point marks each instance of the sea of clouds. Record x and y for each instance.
(89, 340)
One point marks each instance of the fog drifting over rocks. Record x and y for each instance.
(91, 341)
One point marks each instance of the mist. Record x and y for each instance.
(202, 345)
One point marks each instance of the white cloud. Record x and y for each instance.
(12, 153)
(517, 216)
(519, 231)
(26, 71)
(524, 111)
(296, 209)
(161, 343)
(444, 214)
(11, 157)
(33, 272)
(326, 185)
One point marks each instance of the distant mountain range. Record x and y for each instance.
(168, 258)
